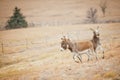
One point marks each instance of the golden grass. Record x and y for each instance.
(15, 49)
(24, 66)
(110, 74)
(96, 76)
(37, 58)
(16, 71)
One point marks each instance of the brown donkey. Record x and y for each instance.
(96, 41)
(86, 47)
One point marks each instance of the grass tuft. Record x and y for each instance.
(110, 74)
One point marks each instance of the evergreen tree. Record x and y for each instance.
(17, 20)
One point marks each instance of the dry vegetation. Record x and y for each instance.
(44, 60)
(34, 53)
(57, 13)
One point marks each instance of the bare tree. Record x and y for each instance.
(103, 6)
(92, 15)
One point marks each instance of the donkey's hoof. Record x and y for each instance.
(77, 61)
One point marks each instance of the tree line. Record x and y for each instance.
(17, 20)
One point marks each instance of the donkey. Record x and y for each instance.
(77, 48)
(96, 41)
(86, 47)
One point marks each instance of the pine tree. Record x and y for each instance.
(17, 20)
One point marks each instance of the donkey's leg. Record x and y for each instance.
(96, 55)
(74, 55)
(79, 57)
(88, 54)
(92, 53)
(101, 48)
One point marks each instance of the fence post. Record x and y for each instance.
(2, 47)
(26, 43)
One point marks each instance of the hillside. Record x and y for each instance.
(42, 59)
(34, 53)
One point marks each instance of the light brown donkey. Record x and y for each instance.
(86, 47)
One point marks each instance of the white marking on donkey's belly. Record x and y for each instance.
(84, 51)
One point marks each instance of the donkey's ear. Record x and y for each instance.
(64, 37)
(92, 29)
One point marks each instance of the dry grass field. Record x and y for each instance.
(34, 53)
(43, 60)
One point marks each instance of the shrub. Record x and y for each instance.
(92, 15)
(103, 6)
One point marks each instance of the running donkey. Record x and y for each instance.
(86, 47)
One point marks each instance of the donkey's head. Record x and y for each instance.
(96, 32)
(64, 43)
